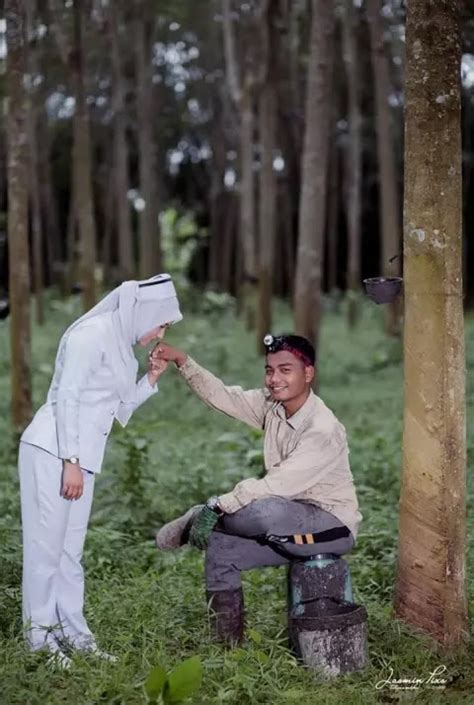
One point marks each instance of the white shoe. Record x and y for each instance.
(59, 660)
(170, 536)
(98, 653)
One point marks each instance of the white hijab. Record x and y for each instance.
(127, 313)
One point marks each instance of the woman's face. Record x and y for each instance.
(158, 332)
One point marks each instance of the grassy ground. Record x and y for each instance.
(148, 608)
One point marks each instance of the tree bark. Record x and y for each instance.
(120, 153)
(247, 208)
(19, 276)
(333, 217)
(431, 571)
(290, 134)
(48, 197)
(72, 55)
(150, 256)
(312, 215)
(268, 110)
(287, 247)
(267, 215)
(107, 193)
(35, 199)
(229, 245)
(83, 197)
(218, 196)
(295, 11)
(242, 91)
(354, 162)
(389, 207)
(70, 265)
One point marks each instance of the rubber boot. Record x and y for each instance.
(176, 533)
(226, 612)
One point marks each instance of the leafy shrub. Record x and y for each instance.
(176, 686)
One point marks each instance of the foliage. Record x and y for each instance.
(176, 686)
(180, 237)
(149, 608)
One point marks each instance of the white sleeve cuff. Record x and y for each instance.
(145, 390)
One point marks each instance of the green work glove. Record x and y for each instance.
(202, 527)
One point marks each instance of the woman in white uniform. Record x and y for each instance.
(62, 449)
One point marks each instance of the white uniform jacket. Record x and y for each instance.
(83, 400)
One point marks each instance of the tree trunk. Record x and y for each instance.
(53, 244)
(70, 265)
(215, 232)
(268, 109)
(106, 251)
(218, 196)
(19, 277)
(36, 225)
(267, 205)
(48, 197)
(35, 199)
(242, 93)
(389, 207)
(287, 247)
(120, 153)
(82, 156)
(290, 136)
(312, 215)
(247, 210)
(354, 162)
(229, 246)
(295, 11)
(430, 588)
(150, 256)
(333, 217)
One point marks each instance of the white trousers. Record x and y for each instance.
(54, 530)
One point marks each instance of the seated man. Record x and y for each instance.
(305, 504)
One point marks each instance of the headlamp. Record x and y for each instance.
(274, 344)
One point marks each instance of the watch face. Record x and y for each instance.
(212, 502)
(74, 460)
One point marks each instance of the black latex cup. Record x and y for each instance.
(383, 290)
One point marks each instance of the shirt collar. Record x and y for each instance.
(299, 416)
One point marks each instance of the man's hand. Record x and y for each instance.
(156, 367)
(73, 481)
(163, 351)
(202, 527)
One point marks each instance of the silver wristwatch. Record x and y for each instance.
(213, 504)
(73, 460)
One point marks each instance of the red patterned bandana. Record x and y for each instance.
(297, 353)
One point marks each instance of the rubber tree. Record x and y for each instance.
(18, 250)
(312, 214)
(389, 210)
(430, 585)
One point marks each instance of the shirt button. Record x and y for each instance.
(112, 413)
(105, 433)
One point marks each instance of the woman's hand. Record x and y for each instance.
(163, 351)
(156, 367)
(73, 481)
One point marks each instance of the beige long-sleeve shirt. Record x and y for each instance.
(306, 455)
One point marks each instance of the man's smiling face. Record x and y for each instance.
(286, 376)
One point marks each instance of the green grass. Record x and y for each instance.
(146, 607)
